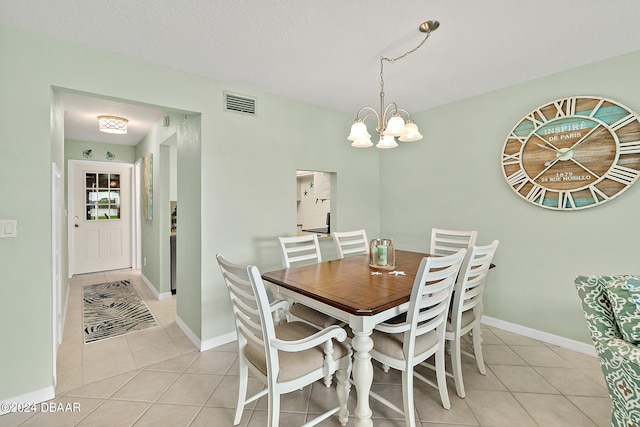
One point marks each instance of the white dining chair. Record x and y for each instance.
(296, 251)
(350, 242)
(446, 242)
(300, 250)
(286, 357)
(413, 338)
(466, 310)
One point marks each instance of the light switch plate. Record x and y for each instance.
(8, 228)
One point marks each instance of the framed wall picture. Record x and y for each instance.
(147, 194)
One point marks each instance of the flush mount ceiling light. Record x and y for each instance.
(112, 124)
(390, 123)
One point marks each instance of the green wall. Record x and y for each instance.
(155, 231)
(31, 140)
(235, 184)
(123, 153)
(453, 179)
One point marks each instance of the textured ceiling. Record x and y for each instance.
(327, 52)
(81, 119)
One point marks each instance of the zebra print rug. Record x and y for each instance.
(112, 309)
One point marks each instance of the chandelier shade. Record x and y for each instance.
(413, 134)
(362, 143)
(358, 131)
(112, 124)
(395, 126)
(387, 141)
(390, 121)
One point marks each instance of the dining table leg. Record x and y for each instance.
(362, 376)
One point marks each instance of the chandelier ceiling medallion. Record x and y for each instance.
(390, 123)
(112, 124)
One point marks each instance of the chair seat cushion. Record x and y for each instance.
(468, 317)
(294, 364)
(322, 320)
(391, 344)
(624, 295)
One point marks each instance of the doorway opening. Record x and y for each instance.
(313, 201)
(100, 204)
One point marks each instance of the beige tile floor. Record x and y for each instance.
(156, 377)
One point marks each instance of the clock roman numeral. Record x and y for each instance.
(623, 122)
(597, 195)
(565, 200)
(511, 159)
(596, 108)
(518, 179)
(622, 174)
(536, 194)
(521, 139)
(565, 107)
(630, 147)
(537, 118)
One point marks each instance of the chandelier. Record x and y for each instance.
(112, 124)
(390, 123)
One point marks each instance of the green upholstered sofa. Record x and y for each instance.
(612, 310)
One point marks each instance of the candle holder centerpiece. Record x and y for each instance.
(382, 254)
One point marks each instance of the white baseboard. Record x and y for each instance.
(567, 343)
(188, 332)
(218, 341)
(207, 344)
(159, 296)
(31, 398)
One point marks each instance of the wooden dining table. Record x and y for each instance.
(352, 291)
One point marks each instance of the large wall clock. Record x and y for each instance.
(573, 153)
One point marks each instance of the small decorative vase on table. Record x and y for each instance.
(382, 254)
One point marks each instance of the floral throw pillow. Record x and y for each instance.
(624, 296)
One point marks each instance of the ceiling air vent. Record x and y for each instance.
(239, 104)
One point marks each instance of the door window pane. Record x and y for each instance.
(91, 180)
(102, 199)
(103, 180)
(114, 181)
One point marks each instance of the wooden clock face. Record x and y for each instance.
(573, 153)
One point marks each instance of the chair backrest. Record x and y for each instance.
(430, 298)
(350, 242)
(470, 284)
(251, 311)
(246, 310)
(447, 242)
(298, 249)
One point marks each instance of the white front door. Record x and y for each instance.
(99, 216)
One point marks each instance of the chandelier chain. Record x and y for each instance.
(392, 60)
